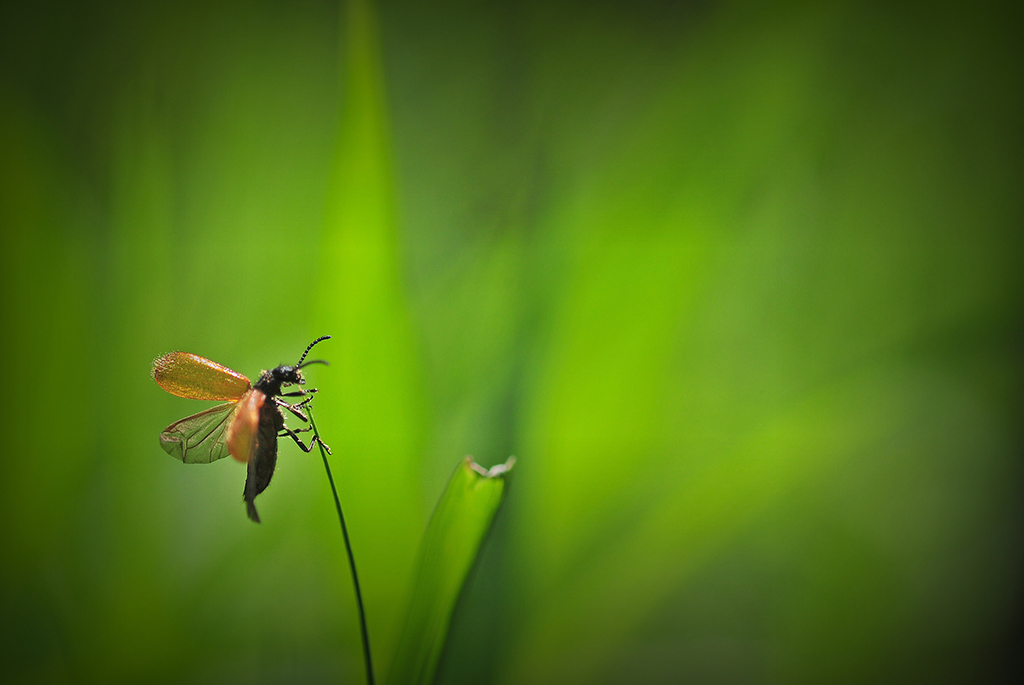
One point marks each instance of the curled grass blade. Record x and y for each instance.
(450, 546)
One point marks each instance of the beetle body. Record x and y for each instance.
(246, 427)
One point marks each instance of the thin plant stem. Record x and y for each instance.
(348, 548)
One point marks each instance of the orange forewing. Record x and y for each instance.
(241, 435)
(189, 375)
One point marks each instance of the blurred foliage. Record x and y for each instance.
(449, 550)
(739, 285)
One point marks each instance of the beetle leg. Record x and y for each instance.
(295, 430)
(298, 393)
(293, 408)
(298, 441)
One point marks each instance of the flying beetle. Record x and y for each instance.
(246, 426)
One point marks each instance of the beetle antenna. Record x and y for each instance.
(320, 339)
(312, 361)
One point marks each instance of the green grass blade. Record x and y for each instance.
(450, 546)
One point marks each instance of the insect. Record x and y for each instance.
(247, 426)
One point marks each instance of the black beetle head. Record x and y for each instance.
(288, 375)
(270, 382)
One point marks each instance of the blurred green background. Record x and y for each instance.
(740, 286)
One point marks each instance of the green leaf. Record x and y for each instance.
(450, 546)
